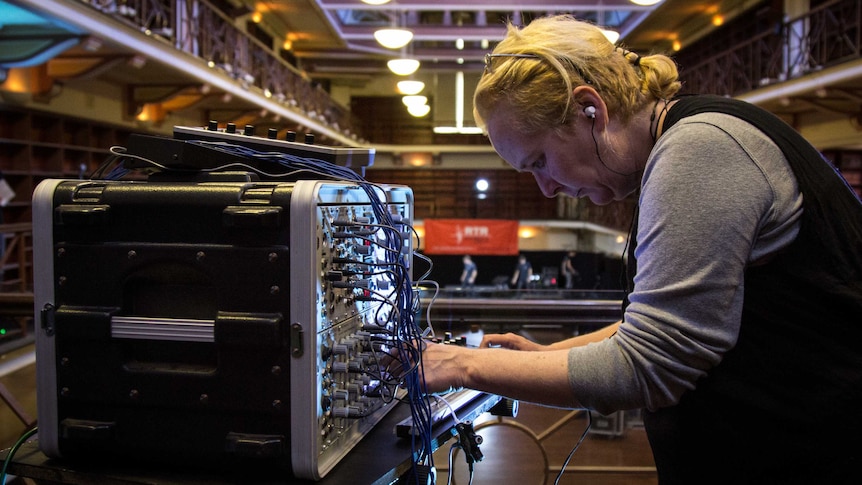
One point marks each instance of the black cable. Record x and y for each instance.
(596, 143)
(577, 445)
(625, 257)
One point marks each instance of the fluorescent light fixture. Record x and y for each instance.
(375, 2)
(454, 130)
(393, 38)
(645, 3)
(459, 98)
(410, 87)
(459, 128)
(403, 67)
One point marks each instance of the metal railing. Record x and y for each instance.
(828, 35)
(502, 309)
(200, 29)
(16, 271)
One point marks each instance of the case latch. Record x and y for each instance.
(296, 340)
(255, 445)
(47, 319)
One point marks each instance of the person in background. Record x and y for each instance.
(523, 273)
(568, 270)
(468, 275)
(741, 335)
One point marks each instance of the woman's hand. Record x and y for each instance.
(540, 377)
(510, 341)
(443, 367)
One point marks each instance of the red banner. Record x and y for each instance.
(471, 236)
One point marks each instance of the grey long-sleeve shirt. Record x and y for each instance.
(717, 195)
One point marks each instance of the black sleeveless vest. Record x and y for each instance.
(785, 404)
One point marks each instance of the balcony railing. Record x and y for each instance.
(200, 29)
(827, 35)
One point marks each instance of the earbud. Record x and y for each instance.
(590, 112)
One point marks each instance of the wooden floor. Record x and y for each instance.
(21, 385)
(531, 449)
(526, 450)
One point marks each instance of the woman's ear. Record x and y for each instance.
(590, 105)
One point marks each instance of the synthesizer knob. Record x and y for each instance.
(249, 130)
(505, 407)
(362, 249)
(346, 412)
(309, 138)
(212, 125)
(230, 128)
(290, 136)
(272, 133)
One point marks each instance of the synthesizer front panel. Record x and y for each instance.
(346, 263)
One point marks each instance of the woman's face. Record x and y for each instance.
(561, 163)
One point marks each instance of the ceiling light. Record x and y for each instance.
(410, 87)
(393, 38)
(414, 100)
(403, 67)
(137, 61)
(375, 2)
(419, 110)
(418, 159)
(645, 2)
(93, 44)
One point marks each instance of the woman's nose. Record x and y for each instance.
(547, 185)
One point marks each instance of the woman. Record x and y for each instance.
(742, 332)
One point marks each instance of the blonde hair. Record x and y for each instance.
(536, 68)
